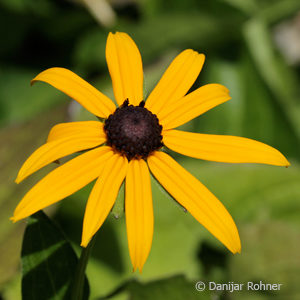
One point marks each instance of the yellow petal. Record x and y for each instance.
(222, 148)
(176, 81)
(78, 89)
(103, 196)
(64, 130)
(63, 181)
(139, 212)
(196, 198)
(62, 144)
(193, 105)
(125, 67)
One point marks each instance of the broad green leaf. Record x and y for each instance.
(48, 261)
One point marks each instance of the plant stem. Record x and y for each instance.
(79, 277)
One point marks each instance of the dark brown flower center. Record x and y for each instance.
(133, 131)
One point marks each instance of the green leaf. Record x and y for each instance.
(48, 261)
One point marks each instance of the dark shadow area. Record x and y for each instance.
(211, 258)
(214, 261)
(128, 10)
(42, 40)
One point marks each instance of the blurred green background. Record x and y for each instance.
(252, 47)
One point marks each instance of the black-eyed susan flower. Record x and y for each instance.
(129, 143)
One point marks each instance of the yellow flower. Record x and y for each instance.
(134, 134)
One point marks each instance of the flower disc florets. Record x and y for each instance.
(133, 131)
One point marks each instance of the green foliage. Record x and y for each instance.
(16, 109)
(42, 7)
(237, 39)
(279, 78)
(48, 261)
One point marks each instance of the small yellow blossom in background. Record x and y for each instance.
(129, 143)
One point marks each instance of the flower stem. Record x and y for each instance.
(79, 277)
